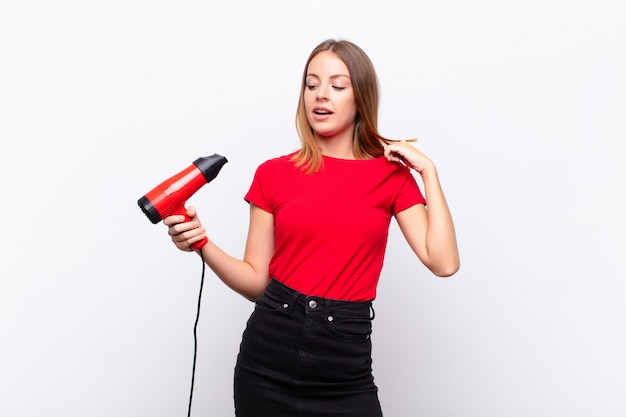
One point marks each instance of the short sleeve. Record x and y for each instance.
(408, 194)
(258, 192)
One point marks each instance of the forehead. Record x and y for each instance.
(327, 64)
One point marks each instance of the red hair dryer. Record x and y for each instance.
(169, 197)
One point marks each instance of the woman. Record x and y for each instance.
(319, 221)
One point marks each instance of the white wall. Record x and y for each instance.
(521, 105)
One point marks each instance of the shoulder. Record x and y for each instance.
(382, 166)
(277, 164)
(279, 160)
(394, 175)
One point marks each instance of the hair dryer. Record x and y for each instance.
(169, 197)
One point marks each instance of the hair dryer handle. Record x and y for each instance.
(182, 211)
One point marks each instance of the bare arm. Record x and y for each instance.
(249, 276)
(428, 230)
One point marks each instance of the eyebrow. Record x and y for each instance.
(331, 77)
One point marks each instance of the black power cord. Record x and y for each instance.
(195, 335)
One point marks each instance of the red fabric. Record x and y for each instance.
(331, 227)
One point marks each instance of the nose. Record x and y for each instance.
(321, 93)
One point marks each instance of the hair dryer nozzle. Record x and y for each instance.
(210, 166)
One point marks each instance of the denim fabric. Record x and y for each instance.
(304, 356)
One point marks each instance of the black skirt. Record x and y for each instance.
(304, 356)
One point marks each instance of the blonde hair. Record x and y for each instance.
(367, 142)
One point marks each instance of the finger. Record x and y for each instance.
(188, 242)
(172, 220)
(195, 240)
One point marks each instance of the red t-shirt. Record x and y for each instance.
(331, 226)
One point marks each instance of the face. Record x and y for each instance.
(329, 97)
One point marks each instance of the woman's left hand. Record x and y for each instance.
(410, 156)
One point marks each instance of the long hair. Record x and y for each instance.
(366, 142)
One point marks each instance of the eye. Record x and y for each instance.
(311, 87)
(339, 87)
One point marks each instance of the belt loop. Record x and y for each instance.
(373, 311)
(294, 299)
(327, 304)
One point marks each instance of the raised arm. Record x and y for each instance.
(428, 230)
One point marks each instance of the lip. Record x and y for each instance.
(322, 116)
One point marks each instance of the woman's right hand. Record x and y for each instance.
(185, 233)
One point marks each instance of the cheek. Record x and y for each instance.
(348, 105)
(308, 100)
(350, 109)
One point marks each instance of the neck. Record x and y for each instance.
(336, 147)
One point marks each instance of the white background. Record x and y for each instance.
(520, 104)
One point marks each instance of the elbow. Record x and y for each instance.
(446, 270)
(253, 296)
(446, 273)
(250, 297)
(442, 259)
(255, 292)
